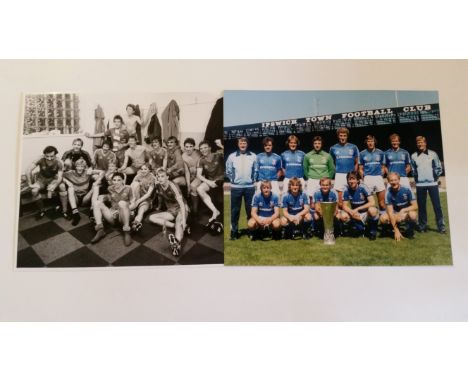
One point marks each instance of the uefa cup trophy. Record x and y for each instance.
(328, 214)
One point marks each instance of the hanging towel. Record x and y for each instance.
(99, 127)
(215, 126)
(170, 120)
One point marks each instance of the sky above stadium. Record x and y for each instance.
(246, 107)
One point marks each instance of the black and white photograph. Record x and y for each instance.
(120, 180)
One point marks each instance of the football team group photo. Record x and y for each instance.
(105, 181)
(334, 178)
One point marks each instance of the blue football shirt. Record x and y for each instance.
(268, 166)
(293, 163)
(357, 197)
(399, 199)
(344, 157)
(396, 161)
(320, 197)
(294, 204)
(372, 161)
(265, 206)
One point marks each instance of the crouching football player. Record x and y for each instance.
(265, 213)
(176, 212)
(120, 197)
(401, 206)
(324, 194)
(358, 207)
(296, 211)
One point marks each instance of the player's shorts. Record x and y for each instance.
(286, 182)
(340, 182)
(175, 210)
(375, 183)
(404, 181)
(42, 182)
(274, 187)
(312, 186)
(148, 202)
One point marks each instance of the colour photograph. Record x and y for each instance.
(120, 180)
(334, 178)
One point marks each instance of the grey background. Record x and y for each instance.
(235, 293)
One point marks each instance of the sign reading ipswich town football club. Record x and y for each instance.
(334, 178)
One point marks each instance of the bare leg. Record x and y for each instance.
(203, 192)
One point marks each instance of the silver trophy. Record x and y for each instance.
(328, 215)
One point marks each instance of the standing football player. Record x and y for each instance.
(317, 164)
(346, 157)
(427, 168)
(372, 168)
(269, 166)
(398, 160)
(241, 171)
(293, 160)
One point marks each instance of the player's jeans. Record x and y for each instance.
(237, 194)
(421, 195)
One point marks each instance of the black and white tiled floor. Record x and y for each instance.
(53, 242)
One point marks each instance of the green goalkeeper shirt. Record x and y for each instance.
(318, 165)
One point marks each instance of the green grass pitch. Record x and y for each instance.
(430, 248)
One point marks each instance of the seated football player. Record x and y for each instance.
(210, 172)
(191, 156)
(401, 206)
(71, 156)
(49, 177)
(77, 189)
(358, 207)
(103, 156)
(175, 164)
(120, 197)
(157, 154)
(296, 211)
(142, 187)
(137, 154)
(324, 194)
(175, 215)
(265, 213)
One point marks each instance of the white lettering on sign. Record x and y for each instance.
(280, 123)
(319, 118)
(417, 108)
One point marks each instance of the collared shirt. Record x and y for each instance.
(372, 161)
(241, 169)
(396, 161)
(357, 197)
(294, 204)
(427, 168)
(320, 197)
(399, 199)
(344, 157)
(268, 166)
(293, 163)
(265, 205)
(318, 165)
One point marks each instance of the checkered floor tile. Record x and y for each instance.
(54, 242)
